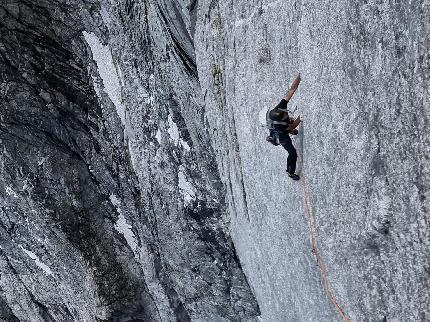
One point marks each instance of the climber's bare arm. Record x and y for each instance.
(293, 125)
(292, 88)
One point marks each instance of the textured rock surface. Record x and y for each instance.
(111, 205)
(131, 149)
(364, 99)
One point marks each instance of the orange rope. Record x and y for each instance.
(312, 237)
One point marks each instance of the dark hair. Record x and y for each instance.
(276, 114)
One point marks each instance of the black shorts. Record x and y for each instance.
(282, 105)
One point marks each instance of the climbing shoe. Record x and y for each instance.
(293, 176)
(294, 132)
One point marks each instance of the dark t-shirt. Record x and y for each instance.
(281, 129)
(283, 105)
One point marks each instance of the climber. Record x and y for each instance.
(280, 125)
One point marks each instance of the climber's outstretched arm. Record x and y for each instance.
(292, 88)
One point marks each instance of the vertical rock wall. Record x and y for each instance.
(131, 148)
(364, 102)
(111, 205)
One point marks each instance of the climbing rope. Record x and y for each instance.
(312, 237)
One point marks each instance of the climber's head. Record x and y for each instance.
(278, 115)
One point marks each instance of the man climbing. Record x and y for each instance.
(281, 125)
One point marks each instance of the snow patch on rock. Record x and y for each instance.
(126, 230)
(121, 224)
(173, 130)
(108, 71)
(37, 260)
(175, 134)
(185, 187)
(158, 136)
(115, 201)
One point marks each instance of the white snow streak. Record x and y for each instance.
(107, 71)
(126, 230)
(37, 261)
(175, 134)
(115, 201)
(122, 226)
(173, 130)
(185, 187)
(158, 136)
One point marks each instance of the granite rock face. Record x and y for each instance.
(111, 204)
(364, 146)
(135, 174)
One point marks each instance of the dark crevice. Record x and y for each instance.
(187, 61)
